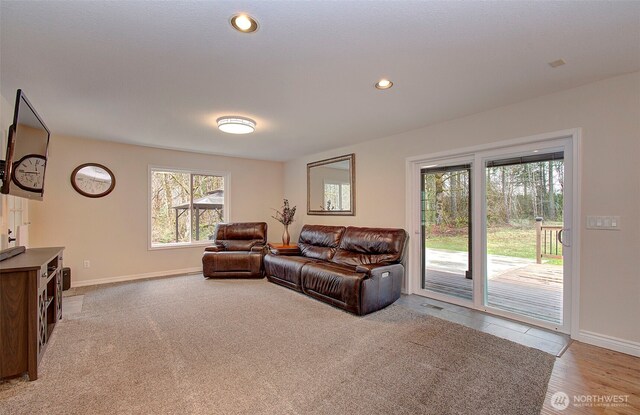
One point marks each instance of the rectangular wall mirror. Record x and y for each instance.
(331, 186)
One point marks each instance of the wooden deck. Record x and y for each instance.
(533, 290)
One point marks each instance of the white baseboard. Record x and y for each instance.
(609, 342)
(84, 283)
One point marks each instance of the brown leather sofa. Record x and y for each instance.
(356, 269)
(237, 251)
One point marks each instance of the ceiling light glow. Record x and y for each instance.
(244, 23)
(234, 124)
(384, 84)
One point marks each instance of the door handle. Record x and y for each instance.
(560, 238)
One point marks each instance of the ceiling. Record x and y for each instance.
(159, 73)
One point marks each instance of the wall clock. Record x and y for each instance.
(93, 180)
(28, 172)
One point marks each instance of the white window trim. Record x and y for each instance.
(226, 211)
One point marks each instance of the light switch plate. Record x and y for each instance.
(610, 223)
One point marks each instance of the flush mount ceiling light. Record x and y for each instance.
(384, 84)
(244, 23)
(234, 124)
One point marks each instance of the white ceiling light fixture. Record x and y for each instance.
(234, 124)
(384, 84)
(244, 23)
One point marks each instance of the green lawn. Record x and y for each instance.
(507, 241)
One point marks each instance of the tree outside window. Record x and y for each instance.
(185, 206)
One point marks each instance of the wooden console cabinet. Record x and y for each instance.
(30, 307)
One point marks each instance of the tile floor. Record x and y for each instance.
(545, 340)
(71, 306)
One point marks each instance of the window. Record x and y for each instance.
(337, 196)
(185, 206)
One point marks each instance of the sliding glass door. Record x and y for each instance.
(446, 230)
(495, 231)
(524, 225)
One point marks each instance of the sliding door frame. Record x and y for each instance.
(571, 141)
(445, 162)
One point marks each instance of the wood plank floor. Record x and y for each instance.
(589, 370)
(534, 290)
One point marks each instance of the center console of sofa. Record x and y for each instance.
(356, 269)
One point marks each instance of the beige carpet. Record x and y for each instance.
(186, 345)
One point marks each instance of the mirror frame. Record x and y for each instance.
(91, 195)
(352, 161)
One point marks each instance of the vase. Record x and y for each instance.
(285, 235)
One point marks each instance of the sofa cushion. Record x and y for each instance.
(242, 230)
(240, 236)
(231, 261)
(286, 269)
(361, 246)
(320, 242)
(336, 284)
(239, 244)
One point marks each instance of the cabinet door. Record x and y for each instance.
(59, 293)
(42, 321)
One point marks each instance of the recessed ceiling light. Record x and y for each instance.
(244, 23)
(384, 84)
(557, 63)
(234, 124)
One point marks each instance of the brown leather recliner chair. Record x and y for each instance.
(237, 252)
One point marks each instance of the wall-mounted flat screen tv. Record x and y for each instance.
(23, 171)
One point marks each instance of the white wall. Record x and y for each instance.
(112, 232)
(609, 113)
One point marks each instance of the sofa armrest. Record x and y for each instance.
(214, 248)
(377, 269)
(259, 249)
(285, 251)
(381, 287)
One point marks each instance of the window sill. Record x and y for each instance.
(162, 247)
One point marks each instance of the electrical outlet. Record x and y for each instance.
(87, 264)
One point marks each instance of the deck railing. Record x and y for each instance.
(547, 241)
